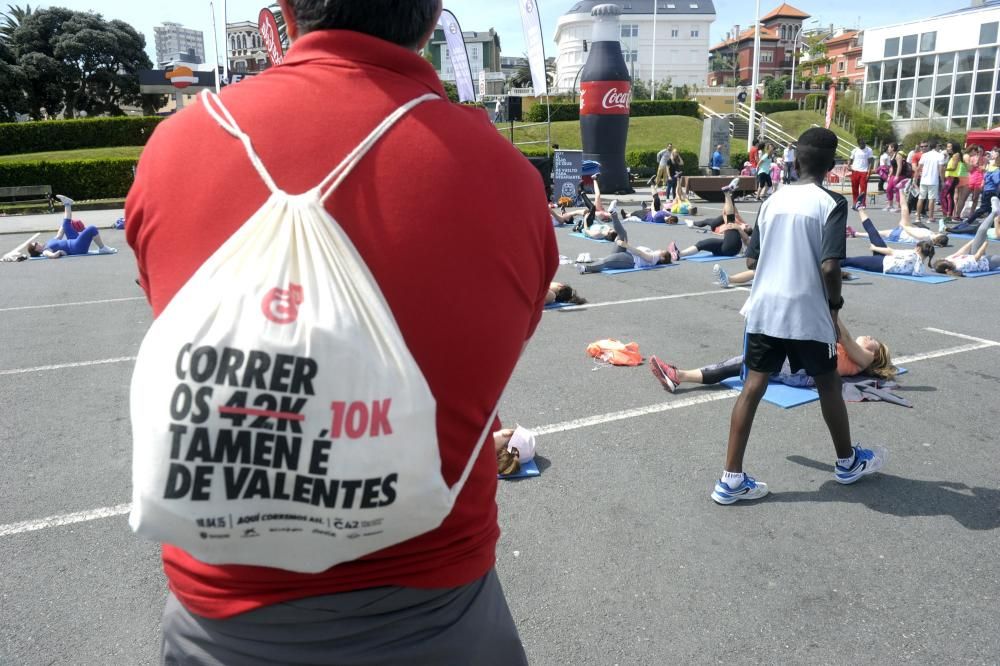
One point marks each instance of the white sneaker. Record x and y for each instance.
(690, 223)
(584, 258)
(866, 461)
(107, 250)
(721, 276)
(613, 207)
(64, 200)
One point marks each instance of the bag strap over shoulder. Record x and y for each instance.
(218, 111)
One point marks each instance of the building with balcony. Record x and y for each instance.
(245, 51)
(483, 48)
(732, 59)
(175, 43)
(939, 71)
(680, 47)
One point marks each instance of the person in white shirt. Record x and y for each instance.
(789, 158)
(861, 168)
(883, 169)
(792, 313)
(929, 179)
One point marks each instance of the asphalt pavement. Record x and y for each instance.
(615, 554)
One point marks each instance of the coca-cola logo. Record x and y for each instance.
(607, 98)
(617, 100)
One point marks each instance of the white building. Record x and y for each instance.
(244, 48)
(483, 48)
(939, 71)
(176, 43)
(681, 46)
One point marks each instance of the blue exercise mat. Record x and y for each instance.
(557, 305)
(708, 257)
(527, 470)
(983, 274)
(783, 395)
(616, 271)
(586, 237)
(92, 253)
(927, 279)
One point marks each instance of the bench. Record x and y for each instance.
(709, 188)
(27, 194)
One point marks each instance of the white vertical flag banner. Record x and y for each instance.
(459, 56)
(532, 23)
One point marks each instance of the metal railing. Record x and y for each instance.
(709, 112)
(772, 129)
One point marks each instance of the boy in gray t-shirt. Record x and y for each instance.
(792, 311)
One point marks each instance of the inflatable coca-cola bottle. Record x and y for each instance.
(605, 100)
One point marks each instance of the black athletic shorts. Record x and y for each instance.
(764, 180)
(766, 354)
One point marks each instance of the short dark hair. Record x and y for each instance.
(402, 23)
(817, 148)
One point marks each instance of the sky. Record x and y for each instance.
(503, 15)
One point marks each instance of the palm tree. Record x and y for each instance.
(12, 18)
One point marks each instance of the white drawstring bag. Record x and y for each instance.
(278, 417)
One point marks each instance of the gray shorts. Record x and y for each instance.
(929, 191)
(387, 625)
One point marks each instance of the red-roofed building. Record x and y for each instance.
(844, 53)
(732, 59)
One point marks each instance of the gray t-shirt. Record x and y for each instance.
(798, 228)
(664, 157)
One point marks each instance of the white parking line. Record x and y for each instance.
(69, 305)
(598, 419)
(649, 299)
(62, 366)
(586, 422)
(64, 519)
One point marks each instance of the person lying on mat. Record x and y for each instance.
(992, 218)
(905, 230)
(68, 241)
(967, 260)
(886, 260)
(650, 212)
(626, 256)
(725, 280)
(863, 355)
(513, 450)
(563, 216)
(735, 235)
(563, 293)
(729, 213)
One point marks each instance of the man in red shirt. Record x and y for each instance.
(448, 279)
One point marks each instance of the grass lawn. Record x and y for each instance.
(797, 122)
(130, 152)
(645, 133)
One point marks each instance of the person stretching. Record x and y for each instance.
(886, 260)
(970, 258)
(68, 241)
(792, 314)
(627, 256)
(734, 234)
(563, 293)
(906, 231)
(863, 355)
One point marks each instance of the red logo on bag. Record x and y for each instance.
(282, 305)
(605, 98)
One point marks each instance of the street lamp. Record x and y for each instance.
(795, 49)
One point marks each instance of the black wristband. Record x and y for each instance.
(836, 305)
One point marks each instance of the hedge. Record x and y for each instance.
(643, 163)
(50, 135)
(660, 107)
(665, 107)
(80, 179)
(776, 105)
(736, 160)
(812, 99)
(913, 139)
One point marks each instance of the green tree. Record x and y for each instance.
(12, 97)
(775, 88)
(11, 19)
(76, 62)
